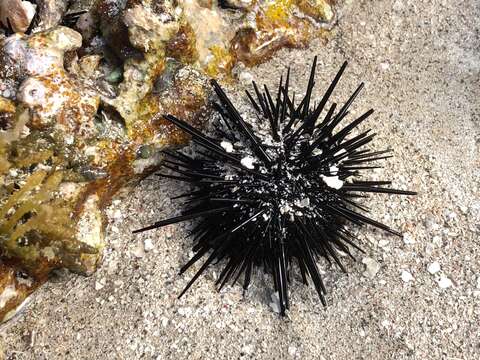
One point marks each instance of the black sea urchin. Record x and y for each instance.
(278, 197)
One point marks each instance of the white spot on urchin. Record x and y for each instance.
(248, 161)
(333, 169)
(285, 208)
(227, 146)
(302, 203)
(332, 181)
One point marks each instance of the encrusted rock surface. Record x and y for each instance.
(16, 14)
(81, 105)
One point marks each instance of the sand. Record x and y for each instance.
(415, 297)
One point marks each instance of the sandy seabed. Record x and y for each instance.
(420, 61)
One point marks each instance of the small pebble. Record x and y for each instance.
(445, 282)
(248, 349)
(275, 304)
(117, 214)
(138, 251)
(383, 243)
(164, 321)
(292, 350)
(99, 284)
(408, 239)
(437, 240)
(185, 311)
(406, 276)
(433, 268)
(245, 77)
(371, 267)
(148, 245)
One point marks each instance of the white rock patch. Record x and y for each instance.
(433, 268)
(275, 304)
(408, 239)
(148, 244)
(371, 267)
(445, 282)
(406, 276)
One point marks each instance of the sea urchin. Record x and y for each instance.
(275, 198)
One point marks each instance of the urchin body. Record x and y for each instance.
(276, 199)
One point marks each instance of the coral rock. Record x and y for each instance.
(80, 118)
(17, 14)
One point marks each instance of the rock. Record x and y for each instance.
(99, 284)
(406, 276)
(246, 77)
(292, 350)
(148, 244)
(248, 349)
(89, 65)
(275, 303)
(138, 251)
(433, 268)
(51, 13)
(16, 13)
(408, 239)
(444, 282)
(383, 243)
(371, 267)
(437, 240)
(89, 232)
